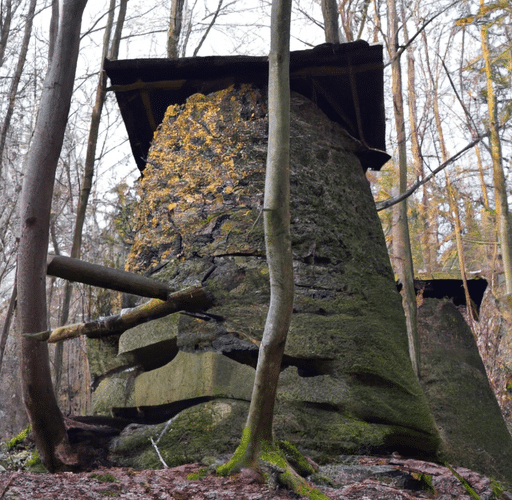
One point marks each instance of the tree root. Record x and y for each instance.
(274, 463)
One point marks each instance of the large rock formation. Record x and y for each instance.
(347, 384)
(455, 382)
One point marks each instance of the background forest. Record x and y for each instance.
(454, 59)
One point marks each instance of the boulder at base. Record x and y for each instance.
(455, 383)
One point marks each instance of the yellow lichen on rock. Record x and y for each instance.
(193, 174)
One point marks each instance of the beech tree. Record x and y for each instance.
(42, 409)
(258, 438)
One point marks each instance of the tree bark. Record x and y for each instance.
(194, 299)
(276, 219)
(16, 78)
(86, 186)
(42, 409)
(331, 26)
(401, 240)
(105, 277)
(175, 24)
(500, 191)
(5, 28)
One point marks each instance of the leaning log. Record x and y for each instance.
(105, 277)
(192, 299)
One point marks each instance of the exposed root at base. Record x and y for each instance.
(275, 466)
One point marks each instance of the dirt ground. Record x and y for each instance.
(361, 478)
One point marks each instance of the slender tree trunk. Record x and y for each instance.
(331, 26)
(116, 39)
(86, 186)
(452, 200)
(175, 24)
(454, 208)
(425, 208)
(276, 218)
(500, 191)
(5, 29)
(42, 409)
(7, 323)
(401, 239)
(16, 78)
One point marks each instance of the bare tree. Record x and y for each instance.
(42, 409)
(500, 191)
(5, 27)
(331, 25)
(17, 77)
(258, 437)
(401, 240)
(86, 183)
(175, 24)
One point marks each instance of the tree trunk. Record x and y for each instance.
(7, 323)
(401, 241)
(116, 40)
(425, 209)
(258, 438)
(85, 190)
(175, 23)
(331, 26)
(5, 28)
(452, 201)
(42, 409)
(500, 191)
(16, 78)
(276, 218)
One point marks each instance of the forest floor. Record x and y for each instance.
(358, 477)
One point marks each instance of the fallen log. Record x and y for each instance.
(192, 299)
(105, 277)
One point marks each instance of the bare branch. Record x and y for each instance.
(382, 205)
(214, 18)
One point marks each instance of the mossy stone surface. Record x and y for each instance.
(464, 405)
(349, 383)
(114, 391)
(191, 376)
(204, 430)
(148, 334)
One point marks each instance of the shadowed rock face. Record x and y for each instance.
(464, 405)
(347, 385)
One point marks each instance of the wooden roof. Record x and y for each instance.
(344, 80)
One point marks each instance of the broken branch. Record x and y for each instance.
(191, 299)
(382, 205)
